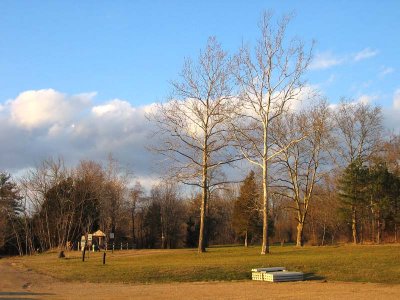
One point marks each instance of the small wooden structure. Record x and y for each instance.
(99, 238)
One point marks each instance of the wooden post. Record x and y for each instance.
(104, 258)
(83, 254)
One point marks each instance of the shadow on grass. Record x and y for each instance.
(73, 258)
(18, 295)
(312, 276)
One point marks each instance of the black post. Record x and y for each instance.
(83, 254)
(104, 258)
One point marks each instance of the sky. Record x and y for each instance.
(76, 77)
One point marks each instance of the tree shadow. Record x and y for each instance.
(21, 295)
(312, 277)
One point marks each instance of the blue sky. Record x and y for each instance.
(76, 77)
(130, 49)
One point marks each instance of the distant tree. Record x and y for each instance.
(192, 233)
(247, 219)
(219, 218)
(325, 221)
(59, 205)
(135, 197)
(10, 209)
(383, 189)
(358, 130)
(353, 194)
(152, 225)
(391, 154)
(171, 213)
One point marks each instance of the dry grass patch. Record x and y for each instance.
(378, 264)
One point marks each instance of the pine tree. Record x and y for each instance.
(246, 217)
(352, 193)
(9, 212)
(383, 190)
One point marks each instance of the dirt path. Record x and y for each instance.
(17, 282)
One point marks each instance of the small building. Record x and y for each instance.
(99, 239)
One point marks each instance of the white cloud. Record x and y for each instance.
(365, 53)
(34, 109)
(385, 71)
(114, 108)
(367, 99)
(325, 60)
(39, 124)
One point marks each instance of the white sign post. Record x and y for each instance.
(83, 242)
(90, 238)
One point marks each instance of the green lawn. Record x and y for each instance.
(340, 263)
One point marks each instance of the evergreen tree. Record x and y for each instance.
(9, 214)
(352, 193)
(383, 190)
(247, 221)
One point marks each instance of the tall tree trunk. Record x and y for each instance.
(299, 238)
(379, 228)
(133, 225)
(162, 233)
(373, 234)
(202, 247)
(314, 232)
(265, 239)
(354, 224)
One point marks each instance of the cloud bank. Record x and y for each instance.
(39, 124)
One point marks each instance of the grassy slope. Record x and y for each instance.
(342, 263)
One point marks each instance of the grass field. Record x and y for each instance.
(380, 264)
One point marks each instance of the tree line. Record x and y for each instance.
(52, 206)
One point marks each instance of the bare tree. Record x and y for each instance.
(324, 218)
(166, 195)
(48, 189)
(359, 130)
(303, 163)
(135, 196)
(192, 125)
(113, 194)
(269, 78)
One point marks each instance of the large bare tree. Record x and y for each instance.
(192, 125)
(305, 162)
(270, 79)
